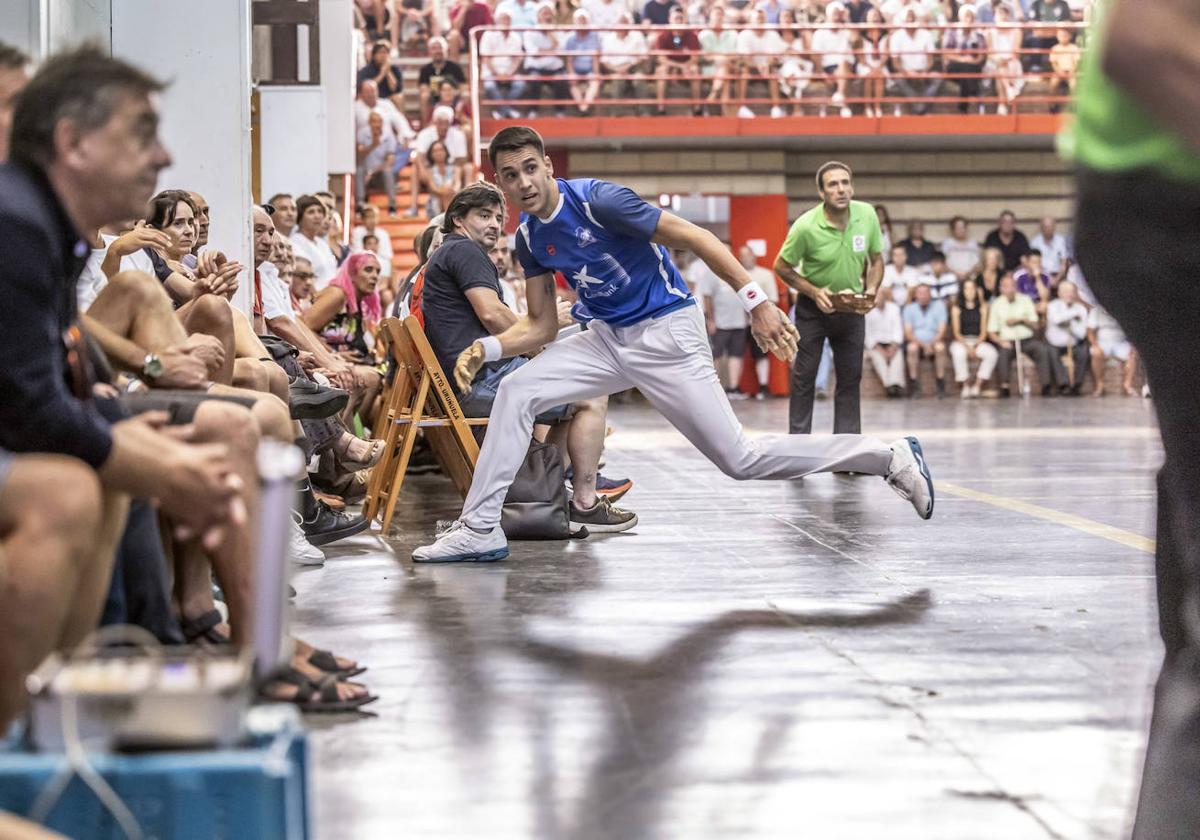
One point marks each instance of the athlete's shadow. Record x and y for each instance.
(652, 708)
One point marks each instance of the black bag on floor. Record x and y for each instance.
(536, 505)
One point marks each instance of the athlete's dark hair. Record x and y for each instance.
(513, 138)
(828, 165)
(480, 194)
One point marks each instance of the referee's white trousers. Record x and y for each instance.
(668, 359)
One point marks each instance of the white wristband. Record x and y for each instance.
(491, 348)
(752, 295)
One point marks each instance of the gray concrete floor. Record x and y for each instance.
(768, 660)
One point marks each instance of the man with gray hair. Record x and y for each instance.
(431, 75)
(442, 129)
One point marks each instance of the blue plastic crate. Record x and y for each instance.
(258, 792)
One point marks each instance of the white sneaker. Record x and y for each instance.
(300, 550)
(909, 476)
(965, 391)
(838, 98)
(459, 544)
(846, 112)
(1002, 110)
(745, 113)
(777, 112)
(899, 113)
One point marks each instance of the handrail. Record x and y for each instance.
(694, 67)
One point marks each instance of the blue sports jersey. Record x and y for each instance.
(599, 238)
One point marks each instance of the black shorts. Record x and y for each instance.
(180, 406)
(729, 343)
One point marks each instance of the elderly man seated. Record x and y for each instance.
(1012, 320)
(925, 326)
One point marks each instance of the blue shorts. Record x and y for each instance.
(478, 401)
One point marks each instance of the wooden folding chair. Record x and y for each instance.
(421, 397)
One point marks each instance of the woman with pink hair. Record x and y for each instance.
(345, 315)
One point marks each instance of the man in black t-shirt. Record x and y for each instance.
(463, 302)
(431, 75)
(1011, 242)
(388, 77)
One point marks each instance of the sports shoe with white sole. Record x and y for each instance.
(603, 517)
(460, 544)
(909, 475)
(300, 550)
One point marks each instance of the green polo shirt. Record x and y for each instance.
(1112, 133)
(830, 258)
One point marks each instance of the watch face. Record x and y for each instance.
(153, 367)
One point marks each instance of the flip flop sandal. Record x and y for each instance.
(327, 662)
(319, 697)
(203, 628)
(373, 456)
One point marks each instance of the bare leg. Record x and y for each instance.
(212, 315)
(585, 442)
(54, 555)
(1097, 371)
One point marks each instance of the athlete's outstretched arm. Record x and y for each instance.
(769, 326)
(529, 333)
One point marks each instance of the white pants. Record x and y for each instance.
(987, 354)
(668, 359)
(890, 371)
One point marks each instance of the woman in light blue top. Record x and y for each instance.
(585, 82)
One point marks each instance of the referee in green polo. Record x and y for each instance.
(833, 256)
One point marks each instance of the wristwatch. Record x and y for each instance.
(152, 368)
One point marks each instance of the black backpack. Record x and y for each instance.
(536, 505)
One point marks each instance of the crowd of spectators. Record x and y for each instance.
(963, 301)
(854, 56)
(136, 393)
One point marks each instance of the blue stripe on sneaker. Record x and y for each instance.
(474, 557)
(919, 454)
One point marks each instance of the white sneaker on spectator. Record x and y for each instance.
(1002, 110)
(909, 476)
(745, 113)
(532, 114)
(899, 113)
(846, 112)
(838, 97)
(300, 550)
(777, 112)
(497, 114)
(460, 544)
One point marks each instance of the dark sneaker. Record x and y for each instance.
(309, 401)
(328, 526)
(603, 517)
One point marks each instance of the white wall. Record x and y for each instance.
(40, 27)
(206, 110)
(337, 82)
(293, 154)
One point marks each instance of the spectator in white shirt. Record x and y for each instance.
(883, 339)
(1056, 254)
(968, 329)
(1107, 341)
(624, 52)
(521, 13)
(765, 46)
(834, 46)
(456, 144)
(766, 280)
(942, 282)
(962, 252)
(899, 278)
(500, 59)
(726, 320)
(543, 62)
(605, 12)
(308, 239)
(1066, 333)
(376, 155)
(1004, 40)
(911, 49)
(394, 122)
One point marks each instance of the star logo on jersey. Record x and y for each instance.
(584, 279)
(550, 250)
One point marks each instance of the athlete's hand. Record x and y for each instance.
(468, 364)
(773, 332)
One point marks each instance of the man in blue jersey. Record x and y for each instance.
(645, 331)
